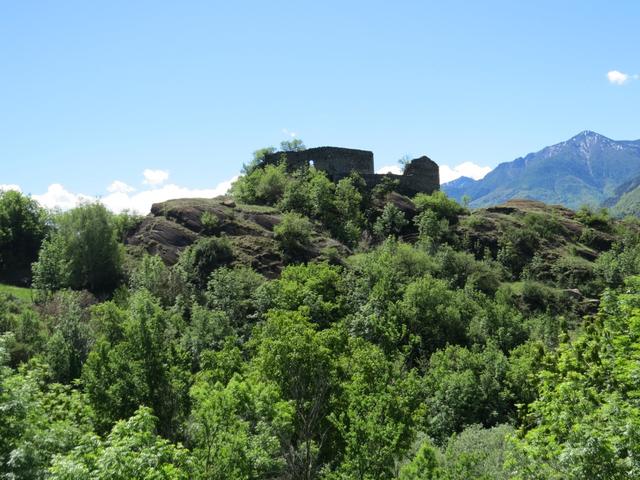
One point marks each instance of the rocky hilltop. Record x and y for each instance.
(175, 224)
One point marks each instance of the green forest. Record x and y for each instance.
(386, 338)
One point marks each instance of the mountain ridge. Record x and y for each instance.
(585, 169)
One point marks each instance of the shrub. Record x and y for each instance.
(124, 223)
(595, 219)
(544, 225)
(573, 272)
(271, 184)
(210, 222)
(293, 234)
(387, 185)
(263, 186)
(517, 247)
(203, 257)
(621, 261)
(390, 222)
(465, 387)
(478, 453)
(233, 291)
(153, 275)
(439, 203)
(293, 145)
(258, 157)
(431, 228)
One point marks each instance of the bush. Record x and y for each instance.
(538, 297)
(517, 246)
(465, 387)
(293, 145)
(70, 338)
(293, 234)
(263, 186)
(478, 453)
(544, 225)
(203, 257)
(233, 291)
(439, 203)
(299, 196)
(153, 275)
(256, 161)
(210, 223)
(621, 261)
(599, 220)
(314, 288)
(431, 228)
(125, 222)
(390, 223)
(350, 220)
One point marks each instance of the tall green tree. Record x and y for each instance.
(38, 419)
(82, 253)
(238, 430)
(375, 415)
(292, 354)
(144, 366)
(23, 227)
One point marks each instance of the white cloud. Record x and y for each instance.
(141, 202)
(447, 173)
(120, 196)
(6, 187)
(155, 177)
(396, 169)
(466, 169)
(120, 187)
(618, 78)
(289, 133)
(57, 196)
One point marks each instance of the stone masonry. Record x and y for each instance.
(420, 175)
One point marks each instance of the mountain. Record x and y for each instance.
(626, 199)
(457, 188)
(586, 169)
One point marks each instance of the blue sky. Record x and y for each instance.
(97, 92)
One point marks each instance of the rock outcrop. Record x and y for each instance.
(175, 224)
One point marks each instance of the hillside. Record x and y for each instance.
(174, 225)
(584, 170)
(553, 235)
(625, 200)
(302, 327)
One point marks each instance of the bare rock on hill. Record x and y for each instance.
(175, 224)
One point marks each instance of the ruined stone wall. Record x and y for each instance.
(336, 161)
(421, 174)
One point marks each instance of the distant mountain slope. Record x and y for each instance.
(586, 169)
(626, 199)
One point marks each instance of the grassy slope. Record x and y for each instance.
(18, 292)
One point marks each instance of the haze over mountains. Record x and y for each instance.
(587, 169)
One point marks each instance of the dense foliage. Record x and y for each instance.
(446, 344)
(82, 252)
(23, 226)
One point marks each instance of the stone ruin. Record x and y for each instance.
(421, 175)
